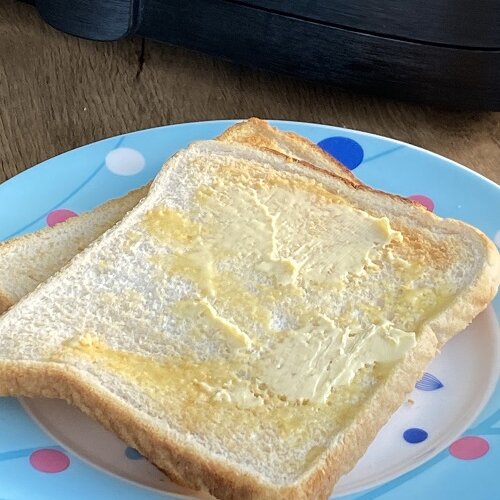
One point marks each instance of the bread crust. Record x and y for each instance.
(5, 302)
(252, 127)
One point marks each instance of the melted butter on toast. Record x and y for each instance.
(258, 242)
(252, 237)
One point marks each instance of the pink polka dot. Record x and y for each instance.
(423, 200)
(469, 448)
(59, 215)
(47, 460)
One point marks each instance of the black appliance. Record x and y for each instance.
(444, 52)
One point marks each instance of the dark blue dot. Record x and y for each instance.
(415, 435)
(132, 453)
(347, 151)
(429, 382)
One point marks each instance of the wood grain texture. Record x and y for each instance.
(58, 92)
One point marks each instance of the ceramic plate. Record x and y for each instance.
(443, 443)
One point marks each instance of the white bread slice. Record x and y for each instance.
(29, 260)
(101, 334)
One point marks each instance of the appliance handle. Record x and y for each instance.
(103, 20)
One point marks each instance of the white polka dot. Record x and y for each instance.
(497, 238)
(125, 161)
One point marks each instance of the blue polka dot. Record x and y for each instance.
(132, 453)
(415, 435)
(347, 151)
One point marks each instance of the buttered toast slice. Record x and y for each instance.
(30, 259)
(252, 323)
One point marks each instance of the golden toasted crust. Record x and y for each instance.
(353, 183)
(475, 298)
(5, 303)
(260, 134)
(327, 156)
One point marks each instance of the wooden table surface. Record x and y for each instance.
(58, 92)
